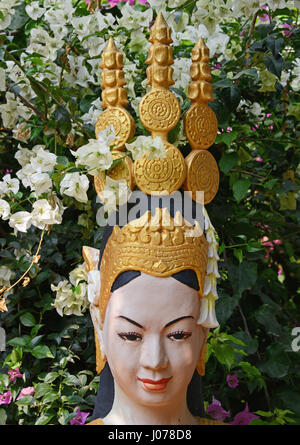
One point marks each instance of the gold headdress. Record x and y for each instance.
(159, 244)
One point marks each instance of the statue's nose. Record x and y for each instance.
(153, 354)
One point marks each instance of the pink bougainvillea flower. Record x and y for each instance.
(244, 417)
(258, 159)
(265, 18)
(288, 29)
(14, 374)
(232, 380)
(80, 418)
(28, 391)
(5, 398)
(216, 411)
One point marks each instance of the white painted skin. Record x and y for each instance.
(142, 340)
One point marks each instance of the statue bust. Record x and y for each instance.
(152, 285)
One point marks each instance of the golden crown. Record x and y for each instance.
(159, 244)
(159, 112)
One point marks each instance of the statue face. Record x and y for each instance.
(151, 338)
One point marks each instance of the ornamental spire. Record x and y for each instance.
(200, 88)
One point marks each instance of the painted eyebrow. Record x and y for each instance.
(131, 321)
(167, 325)
(178, 319)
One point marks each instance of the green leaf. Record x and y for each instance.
(26, 400)
(232, 97)
(42, 351)
(240, 189)
(225, 354)
(270, 184)
(227, 138)
(42, 276)
(41, 389)
(266, 316)
(242, 277)
(225, 307)
(45, 418)
(275, 45)
(27, 319)
(3, 416)
(252, 72)
(62, 160)
(277, 363)
(51, 396)
(224, 83)
(19, 341)
(228, 161)
(50, 377)
(274, 64)
(36, 340)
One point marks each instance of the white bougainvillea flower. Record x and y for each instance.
(9, 184)
(40, 182)
(43, 214)
(96, 155)
(4, 209)
(42, 160)
(34, 11)
(20, 221)
(153, 148)
(75, 185)
(70, 301)
(23, 155)
(78, 274)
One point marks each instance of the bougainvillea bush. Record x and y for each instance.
(50, 99)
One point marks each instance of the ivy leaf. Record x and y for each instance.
(274, 64)
(275, 45)
(242, 277)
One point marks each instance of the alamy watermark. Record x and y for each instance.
(138, 203)
(296, 342)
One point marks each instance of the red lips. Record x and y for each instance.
(155, 385)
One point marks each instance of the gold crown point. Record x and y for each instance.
(111, 46)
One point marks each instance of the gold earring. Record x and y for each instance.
(201, 362)
(100, 357)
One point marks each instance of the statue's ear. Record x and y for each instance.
(91, 257)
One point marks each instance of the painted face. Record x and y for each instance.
(151, 338)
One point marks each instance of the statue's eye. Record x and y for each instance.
(130, 336)
(179, 335)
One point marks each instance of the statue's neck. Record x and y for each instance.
(126, 411)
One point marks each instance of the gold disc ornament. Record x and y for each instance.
(159, 110)
(161, 175)
(122, 170)
(122, 122)
(201, 126)
(202, 175)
